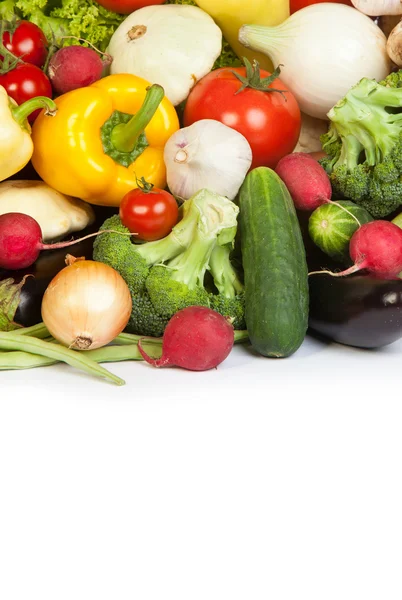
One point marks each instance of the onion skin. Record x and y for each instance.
(86, 305)
(325, 49)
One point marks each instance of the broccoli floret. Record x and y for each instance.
(133, 262)
(364, 145)
(168, 275)
(230, 300)
(181, 282)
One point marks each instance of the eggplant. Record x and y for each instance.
(358, 310)
(48, 264)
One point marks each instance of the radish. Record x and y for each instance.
(74, 67)
(376, 247)
(306, 180)
(21, 241)
(196, 338)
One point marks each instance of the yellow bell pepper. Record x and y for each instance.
(230, 15)
(104, 138)
(16, 145)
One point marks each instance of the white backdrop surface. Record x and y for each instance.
(261, 480)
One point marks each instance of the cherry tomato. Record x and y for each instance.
(27, 42)
(24, 82)
(125, 7)
(299, 4)
(150, 214)
(270, 121)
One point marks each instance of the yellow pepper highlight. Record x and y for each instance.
(230, 15)
(94, 147)
(15, 132)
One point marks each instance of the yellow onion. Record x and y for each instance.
(86, 305)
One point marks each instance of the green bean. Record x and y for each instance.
(38, 331)
(131, 338)
(13, 341)
(14, 360)
(240, 336)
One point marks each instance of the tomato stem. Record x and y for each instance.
(253, 78)
(144, 185)
(8, 60)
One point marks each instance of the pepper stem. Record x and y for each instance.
(125, 135)
(22, 112)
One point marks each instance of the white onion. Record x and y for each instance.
(325, 49)
(86, 305)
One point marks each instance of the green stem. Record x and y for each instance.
(132, 338)
(22, 112)
(125, 135)
(13, 341)
(241, 336)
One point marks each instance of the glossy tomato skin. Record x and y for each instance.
(151, 215)
(27, 42)
(24, 82)
(296, 5)
(125, 7)
(270, 121)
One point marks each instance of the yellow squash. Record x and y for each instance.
(230, 15)
(104, 138)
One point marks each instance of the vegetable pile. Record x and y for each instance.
(227, 171)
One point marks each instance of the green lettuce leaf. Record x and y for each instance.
(10, 293)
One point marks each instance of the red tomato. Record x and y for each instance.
(125, 7)
(270, 121)
(27, 42)
(151, 215)
(24, 82)
(298, 4)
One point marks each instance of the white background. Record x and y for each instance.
(263, 480)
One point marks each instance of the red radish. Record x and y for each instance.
(21, 241)
(196, 338)
(306, 180)
(376, 247)
(74, 67)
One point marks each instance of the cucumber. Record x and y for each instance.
(275, 267)
(330, 227)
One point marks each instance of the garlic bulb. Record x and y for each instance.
(376, 8)
(206, 155)
(394, 45)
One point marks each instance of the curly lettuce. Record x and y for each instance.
(84, 19)
(87, 20)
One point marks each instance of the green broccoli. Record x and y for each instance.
(364, 145)
(170, 274)
(230, 299)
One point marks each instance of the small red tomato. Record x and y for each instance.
(299, 4)
(27, 42)
(151, 214)
(125, 7)
(269, 120)
(24, 82)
